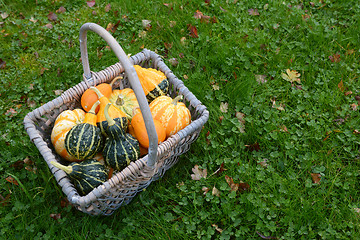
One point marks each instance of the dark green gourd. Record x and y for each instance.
(85, 175)
(120, 147)
(84, 140)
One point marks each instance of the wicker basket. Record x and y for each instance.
(124, 185)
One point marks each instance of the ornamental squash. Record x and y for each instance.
(84, 140)
(174, 115)
(125, 100)
(63, 123)
(85, 175)
(153, 82)
(116, 114)
(89, 97)
(120, 147)
(139, 130)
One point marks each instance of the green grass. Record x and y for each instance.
(317, 132)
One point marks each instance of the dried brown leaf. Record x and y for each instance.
(198, 173)
(261, 79)
(253, 12)
(10, 179)
(215, 192)
(61, 10)
(55, 216)
(11, 112)
(316, 178)
(90, 3)
(291, 76)
(224, 106)
(52, 16)
(217, 228)
(2, 64)
(205, 190)
(108, 7)
(193, 31)
(341, 86)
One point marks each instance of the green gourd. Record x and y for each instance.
(85, 175)
(120, 147)
(84, 140)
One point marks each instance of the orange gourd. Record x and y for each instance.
(174, 115)
(89, 97)
(139, 130)
(63, 124)
(153, 82)
(114, 113)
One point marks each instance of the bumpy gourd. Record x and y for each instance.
(125, 100)
(120, 147)
(174, 115)
(84, 140)
(63, 123)
(85, 175)
(153, 82)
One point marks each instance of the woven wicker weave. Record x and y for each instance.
(124, 185)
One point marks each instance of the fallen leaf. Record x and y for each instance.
(2, 64)
(224, 107)
(168, 45)
(219, 170)
(30, 103)
(174, 62)
(90, 3)
(291, 76)
(215, 86)
(261, 79)
(146, 24)
(354, 106)
(241, 117)
(283, 128)
(4, 15)
(58, 92)
(316, 177)
(183, 41)
(11, 112)
(242, 187)
(205, 190)
(193, 31)
(341, 86)
(42, 70)
(356, 131)
(253, 12)
(108, 7)
(55, 216)
(217, 228)
(142, 34)
(172, 24)
(32, 19)
(264, 163)
(357, 210)
(52, 16)
(186, 77)
(280, 107)
(335, 58)
(12, 180)
(215, 192)
(348, 93)
(61, 10)
(49, 26)
(198, 14)
(198, 173)
(253, 147)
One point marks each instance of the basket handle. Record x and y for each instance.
(133, 79)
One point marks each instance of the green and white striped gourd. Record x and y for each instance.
(84, 140)
(120, 147)
(85, 175)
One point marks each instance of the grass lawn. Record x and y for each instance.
(281, 147)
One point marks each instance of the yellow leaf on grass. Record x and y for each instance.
(291, 76)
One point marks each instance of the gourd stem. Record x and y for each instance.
(114, 80)
(67, 169)
(110, 121)
(178, 98)
(94, 106)
(98, 93)
(134, 110)
(120, 100)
